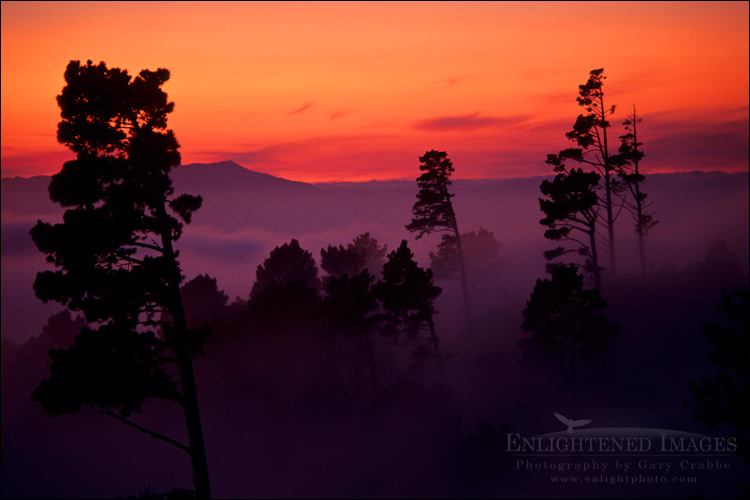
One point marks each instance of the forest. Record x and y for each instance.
(400, 364)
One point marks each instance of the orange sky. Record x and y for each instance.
(356, 91)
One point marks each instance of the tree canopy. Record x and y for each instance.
(363, 253)
(590, 134)
(407, 294)
(433, 210)
(571, 207)
(286, 264)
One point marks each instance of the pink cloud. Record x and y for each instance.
(469, 122)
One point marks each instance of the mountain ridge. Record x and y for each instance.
(239, 176)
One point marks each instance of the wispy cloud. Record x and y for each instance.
(440, 85)
(498, 146)
(300, 110)
(338, 114)
(320, 158)
(468, 122)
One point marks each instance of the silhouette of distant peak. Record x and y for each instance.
(226, 164)
(233, 176)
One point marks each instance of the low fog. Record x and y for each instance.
(284, 412)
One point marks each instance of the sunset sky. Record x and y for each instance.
(335, 91)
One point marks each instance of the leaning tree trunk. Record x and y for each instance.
(641, 223)
(197, 448)
(641, 229)
(461, 262)
(595, 261)
(610, 220)
(604, 150)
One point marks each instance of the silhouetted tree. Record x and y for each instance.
(407, 294)
(23, 366)
(444, 263)
(572, 205)
(433, 212)
(287, 264)
(590, 133)
(363, 253)
(286, 318)
(724, 399)
(285, 297)
(480, 253)
(59, 331)
(351, 312)
(204, 303)
(116, 257)
(631, 155)
(566, 325)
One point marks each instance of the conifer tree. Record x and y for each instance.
(116, 256)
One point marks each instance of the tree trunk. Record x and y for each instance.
(187, 377)
(641, 229)
(195, 431)
(610, 222)
(436, 347)
(595, 260)
(373, 370)
(461, 263)
(464, 279)
(638, 200)
(604, 150)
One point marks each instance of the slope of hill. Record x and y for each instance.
(227, 176)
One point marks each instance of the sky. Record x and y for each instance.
(321, 92)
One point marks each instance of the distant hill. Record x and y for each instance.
(233, 196)
(25, 196)
(229, 176)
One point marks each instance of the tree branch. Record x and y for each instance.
(151, 433)
(130, 259)
(576, 241)
(583, 228)
(153, 322)
(150, 247)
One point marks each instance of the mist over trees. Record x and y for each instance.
(344, 369)
(567, 327)
(363, 254)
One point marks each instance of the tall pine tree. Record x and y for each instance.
(116, 258)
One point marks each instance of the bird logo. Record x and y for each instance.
(571, 423)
